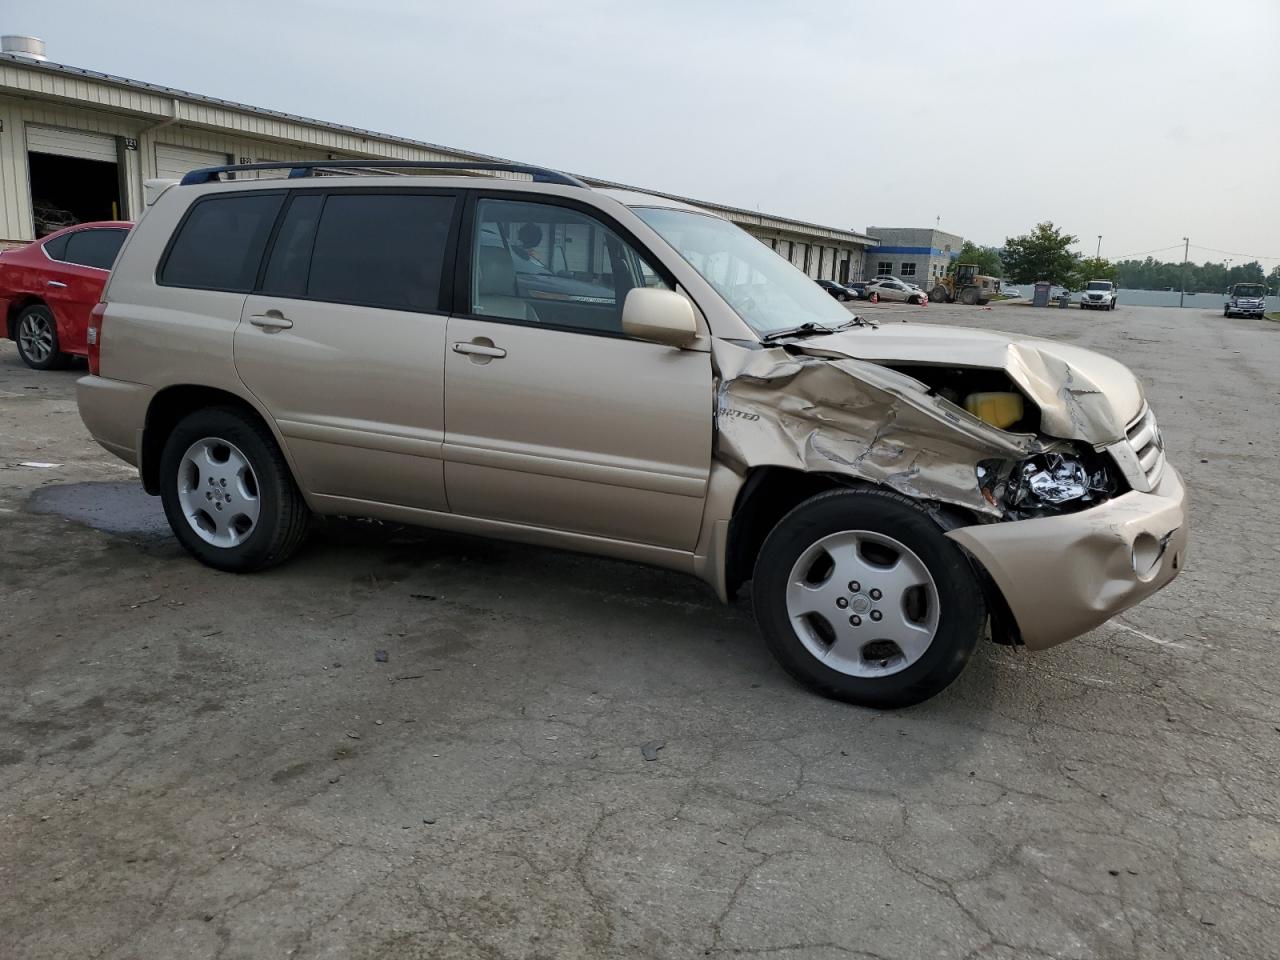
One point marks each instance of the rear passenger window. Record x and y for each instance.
(377, 250)
(94, 248)
(290, 262)
(219, 245)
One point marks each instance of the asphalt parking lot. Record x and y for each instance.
(201, 765)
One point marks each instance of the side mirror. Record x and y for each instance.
(659, 316)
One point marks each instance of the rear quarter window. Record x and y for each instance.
(57, 247)
(219, 243)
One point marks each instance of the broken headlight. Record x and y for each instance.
(1048, 483)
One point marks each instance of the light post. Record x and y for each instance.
(1186, 245)
(1098, 255)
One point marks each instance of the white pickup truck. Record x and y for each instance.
(1098, 295)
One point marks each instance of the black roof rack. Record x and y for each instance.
(304, 168)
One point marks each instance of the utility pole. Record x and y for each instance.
(1098, 255)
(1186, 245)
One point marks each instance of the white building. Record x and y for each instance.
(79, 144)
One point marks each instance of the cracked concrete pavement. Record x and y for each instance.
(204, 765)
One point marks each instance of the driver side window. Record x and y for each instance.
(547, 264)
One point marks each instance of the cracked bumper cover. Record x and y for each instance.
(1063, 576)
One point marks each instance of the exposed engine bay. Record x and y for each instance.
(967, 436)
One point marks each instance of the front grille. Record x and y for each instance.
(1148, 447)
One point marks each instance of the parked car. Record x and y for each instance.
(1098, 295)
(1246, 300)
(272, 349)
(890, 289)
(837, 290)
(859, 289)
(48, 288)
(1013, 292)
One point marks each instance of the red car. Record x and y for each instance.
(48, 287)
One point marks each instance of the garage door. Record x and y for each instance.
(71, 143)
(173, 162)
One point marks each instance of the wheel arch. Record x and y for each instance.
(170, 405)
(770, 493)
(16, 306)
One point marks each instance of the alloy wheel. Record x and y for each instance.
(862, 603)
(218, 491)
(35, 334)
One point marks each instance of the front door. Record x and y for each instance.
(343, 342)
(556, 419)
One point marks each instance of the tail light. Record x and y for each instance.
(94, 336)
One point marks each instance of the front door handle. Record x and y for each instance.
(480, 349)
(271, 320)
(58, 284)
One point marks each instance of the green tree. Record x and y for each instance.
(1042, 254)
(987, 259)
(1094, 268)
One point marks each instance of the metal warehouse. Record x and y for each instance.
(77, 145)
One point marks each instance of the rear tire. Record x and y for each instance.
(969, 297)
(228, 492)
(36, 332)
(911, 583)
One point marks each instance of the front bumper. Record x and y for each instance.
(1247, 308)
(1095, 303)
(1063, 576)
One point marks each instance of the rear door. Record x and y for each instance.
(343, 341)
(74, 285)
(555, 418)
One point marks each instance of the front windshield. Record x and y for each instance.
(1249, 290)
(1099, 285)
(766, 291)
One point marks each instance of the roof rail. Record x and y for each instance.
(304, 168)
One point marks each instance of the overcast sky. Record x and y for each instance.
(1141, 121)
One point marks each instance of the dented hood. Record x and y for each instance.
(1082, 395)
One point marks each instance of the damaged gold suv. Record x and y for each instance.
(629, 376)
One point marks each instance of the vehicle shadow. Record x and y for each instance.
(444, 599)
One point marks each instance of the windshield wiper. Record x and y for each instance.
(809, 328)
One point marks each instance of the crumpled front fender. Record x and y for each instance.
(859, 419)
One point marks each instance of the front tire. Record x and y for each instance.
(862, 598)
(36, 331)
(228, 493)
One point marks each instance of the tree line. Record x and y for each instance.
(1045, 254)
(1205, 277)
